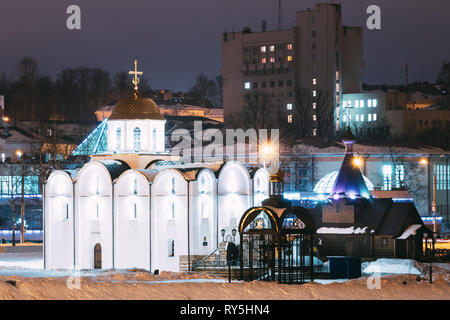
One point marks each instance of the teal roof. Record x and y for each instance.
(95, 143)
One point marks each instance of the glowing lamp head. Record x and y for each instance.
(267, 149)
(336, 196)
(423, 161)
(19, 153)
(5, 118)
(357, 162)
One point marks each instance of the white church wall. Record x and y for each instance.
(169, 220)
(151, 136)
(234, 195)
(260, 186)
(131, 221)
(203, 213)
(59, 221)
(93, 218)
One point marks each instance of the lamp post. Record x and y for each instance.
(22, 200)
(222, 232)
(428, 254)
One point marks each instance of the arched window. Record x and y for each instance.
(137, 139)
(118, 139)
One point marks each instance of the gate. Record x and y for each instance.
(258, 257)
(294, 263)
(276, 246)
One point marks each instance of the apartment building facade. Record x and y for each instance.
(318, 56)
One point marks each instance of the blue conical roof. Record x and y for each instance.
(349, 182)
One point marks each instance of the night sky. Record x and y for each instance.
(175, 40)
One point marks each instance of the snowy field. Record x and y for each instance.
(22, 277)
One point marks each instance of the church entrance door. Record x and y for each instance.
(98, 256)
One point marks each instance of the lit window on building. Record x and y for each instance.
(314, 93)
(361, 103)
(344, 118)
(356, 104)
(272, 59)
(247, 86)
(263, 60)
(344, 104)
(337, 87)
(399, 175)
(289, 46)
(337, 75)
(263, 48)
(357, 117)
(387, 177)
(289, 106)
(441, 172)
(272, 48)
(374, 117)
(369, 103)
(314, 105)
(361, 117)
(369, 117)
(289, 118)
(314, 132)
(314, 117)
(314, 81)
(289, 58)
(374, 103)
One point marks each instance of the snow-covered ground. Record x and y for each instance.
(22, 277)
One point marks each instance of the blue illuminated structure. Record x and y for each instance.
(95, 143)
(349, 182)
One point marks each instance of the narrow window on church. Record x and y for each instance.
(173, 210)
(171, 248)
(97, 211)
(173, 185)
(137, 139)
(135, 187)
(118, 138)
(135, 210)
(67, 211)
(154, 139)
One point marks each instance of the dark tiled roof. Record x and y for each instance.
(115, 167)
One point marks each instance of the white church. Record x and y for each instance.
(136, 206)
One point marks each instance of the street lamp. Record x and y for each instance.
(423, 161)
(233, 232)
(19, 154)
(222, 232)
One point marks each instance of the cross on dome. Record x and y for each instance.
(135, 80)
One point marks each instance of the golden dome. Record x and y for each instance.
(135, 108)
